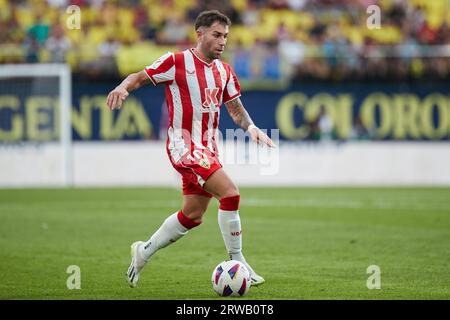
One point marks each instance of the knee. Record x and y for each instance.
(231, 191)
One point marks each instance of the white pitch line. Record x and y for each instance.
(245, 202)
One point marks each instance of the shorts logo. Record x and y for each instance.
(204, 162)
(200, 158)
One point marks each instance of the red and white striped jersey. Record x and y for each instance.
(195, 90)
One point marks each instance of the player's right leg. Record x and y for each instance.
(223, 188)
(174, 227)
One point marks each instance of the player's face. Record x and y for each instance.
(213, 40)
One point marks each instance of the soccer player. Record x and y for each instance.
(196, 83)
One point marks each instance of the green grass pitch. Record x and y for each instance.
(308, 243)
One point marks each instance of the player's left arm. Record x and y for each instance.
(241, 117)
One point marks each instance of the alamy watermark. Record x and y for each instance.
(74, 279)
(374, 19)
(374, 281)
(237, 148)
(73, 21)
(237, 151)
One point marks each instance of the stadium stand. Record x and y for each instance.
(286, 39)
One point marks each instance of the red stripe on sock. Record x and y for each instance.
(230, 203)
(185, 221)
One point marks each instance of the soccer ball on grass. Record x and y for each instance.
(231, 278)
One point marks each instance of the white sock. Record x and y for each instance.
(230, 226)
(169, 232)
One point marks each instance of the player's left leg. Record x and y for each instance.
(177, 225)
(220, 185)
(173, 228)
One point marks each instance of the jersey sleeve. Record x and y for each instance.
(162, 70)
(232, 88)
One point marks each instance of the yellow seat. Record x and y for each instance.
(240, 5)
(44, 55)
(136, 57)
(243, 35)
(354, 34)
(291, 20)
(72, 59)
(97, 34)
(25, 17)
(5, 10)
(386, 35)
(184, 5)
(90, 15)
(270, 19)
(87, 51)
(125, 17)
(75, 36)
(436, 11)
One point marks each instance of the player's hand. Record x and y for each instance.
(258, 136)
(116, 98)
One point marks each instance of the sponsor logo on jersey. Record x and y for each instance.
(211, 101)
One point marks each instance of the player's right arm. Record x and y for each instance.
(120, 93)
(161, 71)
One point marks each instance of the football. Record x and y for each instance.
(231, 278)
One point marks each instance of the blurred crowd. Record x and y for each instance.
(270, 39)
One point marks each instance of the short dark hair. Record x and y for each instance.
(207, 19)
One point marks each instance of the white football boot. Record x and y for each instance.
(136, 266)
(256, 278)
